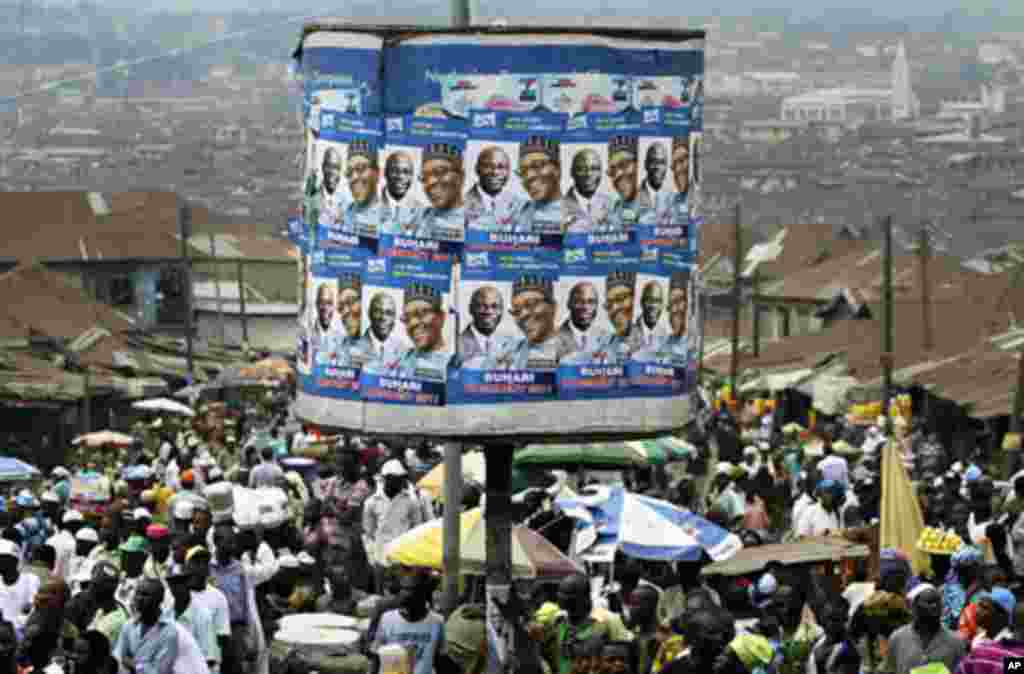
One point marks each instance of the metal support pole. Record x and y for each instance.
(737, 294)
(452, 524)
(185, 228)
(755, 310)
(498, 519)
(462, 13)
(924, 249)
(241, 304)
(86, 403)
(216, 281)
(887, 326)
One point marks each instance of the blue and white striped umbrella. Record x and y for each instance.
(611, 518)
(16, 470)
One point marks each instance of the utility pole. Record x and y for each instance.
(887, 327)
(185, 230)
(756, 311)
(737, 293)
(452, 523)
(216, 281)
(924, 253)
(241, 303)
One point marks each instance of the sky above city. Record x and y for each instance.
(800, 8)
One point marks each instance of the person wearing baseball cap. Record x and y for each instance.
(207, 597)
(19, 588)
(63, 542)
(194, 619)
(389, 513)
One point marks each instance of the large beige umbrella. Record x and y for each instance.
(473, 468)
(104, 439)
(902, 520)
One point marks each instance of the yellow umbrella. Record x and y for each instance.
(902, 520)
(472, 469)
(533, 556)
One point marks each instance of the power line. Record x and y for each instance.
(172, 53)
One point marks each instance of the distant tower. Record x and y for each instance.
(904, 105)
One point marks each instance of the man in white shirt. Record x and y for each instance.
(656, 166)
(823, 517)
(576, 333)
(651, 329)
(486, 307)
(63, 542)
(17, 590)
(207, 597)
(585, 209)
(381, 337)
(833, 467)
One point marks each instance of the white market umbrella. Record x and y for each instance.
(164, 405)
(104, 439)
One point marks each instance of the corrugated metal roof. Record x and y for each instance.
(91, 226)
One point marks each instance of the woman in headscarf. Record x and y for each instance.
(961, 584)
(883, 611)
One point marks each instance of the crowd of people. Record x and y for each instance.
(166, 576)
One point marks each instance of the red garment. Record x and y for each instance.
(756, 517)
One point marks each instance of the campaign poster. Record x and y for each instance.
(303, 357)
(414, 371)
(534, 140)
(659, 365)
(617, 206)
(325, 194)
(341, 71)
(508, 346)
(665, 183)
(336, 351)
(495, 194)
(431, 207)
(350, 205)
(598, 288)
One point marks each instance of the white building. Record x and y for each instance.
(845, 104)
(851, 105)
(904, 103)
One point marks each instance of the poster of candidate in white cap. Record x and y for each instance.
(509, 347)
(416, 373)
(358, 141)
(614, 139)
(336, 353)
(660, 363)
(596, 368)
(435, 148)
(532, 140)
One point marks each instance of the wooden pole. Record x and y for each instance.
(887, 325)
(756, 312)
(86, 402)
(737, 294)
(185, 228)
(924, 252)
(498, 520)
(241, 304)
(452, 524)
(216, 281)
